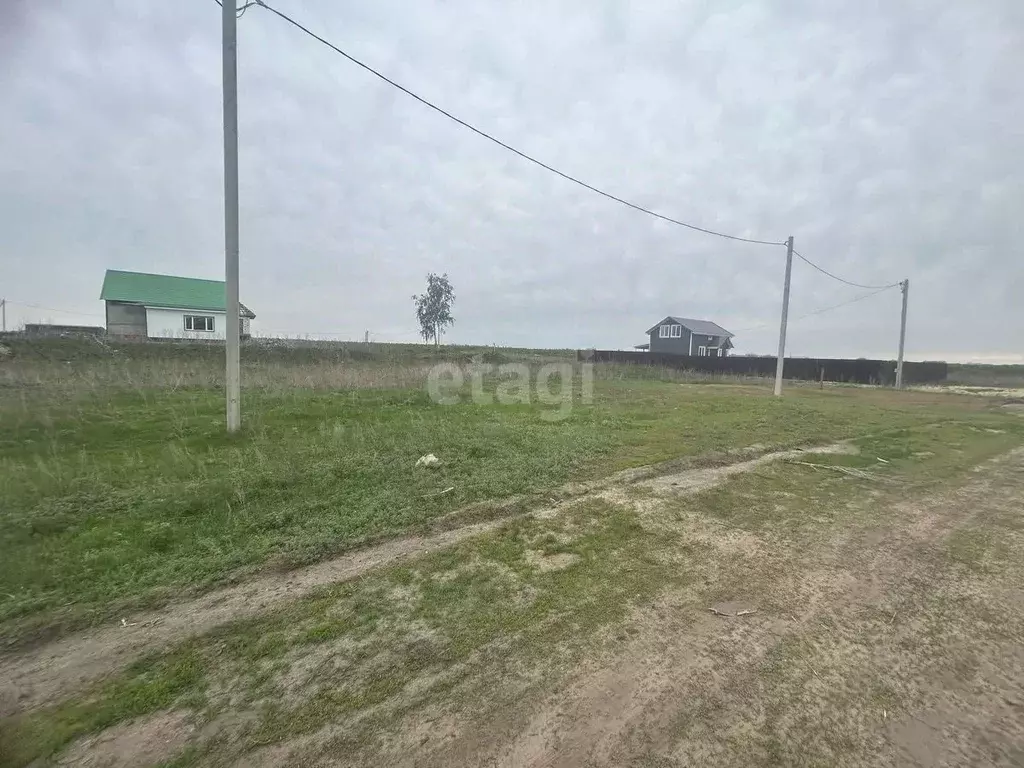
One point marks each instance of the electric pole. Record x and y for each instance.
(229, 24)
(785, 318)
(905, 288)
(3, 311)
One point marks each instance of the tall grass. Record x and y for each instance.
(118, 486)
(88, 366)
(95, 377)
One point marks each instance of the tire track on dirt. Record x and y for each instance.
(57, 669)
(624, 708)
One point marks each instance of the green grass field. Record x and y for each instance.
(450, 625)
(121, 491)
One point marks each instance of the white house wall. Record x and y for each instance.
(170, 324)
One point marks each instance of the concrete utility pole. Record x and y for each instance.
(230, 61)
(905, 288)
(785, 318)
(3, 311)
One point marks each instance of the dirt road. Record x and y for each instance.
(890, 633)
(895, 645)
(900, 645)
(56, 669)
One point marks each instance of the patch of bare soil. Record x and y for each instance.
(55, 670)
(696, 480)
(587, 722)
(556, 562)
(871, 650)
(148, 741)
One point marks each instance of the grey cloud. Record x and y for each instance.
(885, 137)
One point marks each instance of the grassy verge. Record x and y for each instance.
(501, 619)
(353, 648)
(903, 461)
(118, 499)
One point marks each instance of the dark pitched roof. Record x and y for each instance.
(700, 327)
(167, 291)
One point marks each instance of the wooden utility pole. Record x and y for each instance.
(785, 318)
(229, 24)
(905, 288)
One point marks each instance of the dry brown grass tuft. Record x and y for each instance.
(66, 379)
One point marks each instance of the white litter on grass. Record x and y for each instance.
(429, 460)
(439, 493)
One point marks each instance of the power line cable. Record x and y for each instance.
(535, 161)
(823, 310)
(54, 309)
(847, 303)
(841, 280)
(501, 143)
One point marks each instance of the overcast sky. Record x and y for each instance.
(887, 137)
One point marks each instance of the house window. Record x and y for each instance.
(199, 323)
(670, 332)
(702, 351)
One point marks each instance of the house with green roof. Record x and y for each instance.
(146, 306)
